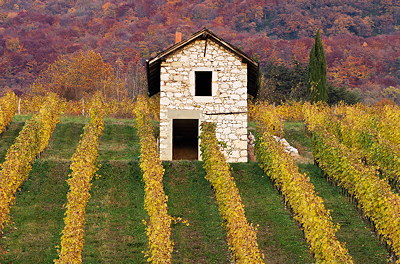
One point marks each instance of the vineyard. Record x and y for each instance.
(79, 185)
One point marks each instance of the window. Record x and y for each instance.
(203, 80)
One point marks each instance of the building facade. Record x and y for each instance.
(200, 79)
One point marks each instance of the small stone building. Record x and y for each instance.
(202, 78)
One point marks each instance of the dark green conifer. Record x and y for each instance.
(317, 72)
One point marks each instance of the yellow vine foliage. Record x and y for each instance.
(371, 133)
(389, 124)
(374, 134)
(112, 107)
(343, 164)
(8, 106)
(299, 192)
(83, 167)
(290, 110)
(32, 140)
(318, 113)
(155, 201)
(154, 106)
(252, 109)
(267, 122)
(241, 236)
(123, 108)
(31, 104)
(388, 140)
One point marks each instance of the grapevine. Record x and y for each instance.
(32, 140)
(83, 167)
(8, 106)
(241, 236)
(343, 164)
(369, 132)
(155, 201)
(374, 136)
(307, 206)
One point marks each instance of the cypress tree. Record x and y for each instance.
(317, 72)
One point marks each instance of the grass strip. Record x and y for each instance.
(362, 244)
(279, 237)
(7, 138)
(190, 198)
(38, 215)
(114, 232)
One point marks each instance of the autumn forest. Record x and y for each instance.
(361, 37)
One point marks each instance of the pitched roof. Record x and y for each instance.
(154, 64)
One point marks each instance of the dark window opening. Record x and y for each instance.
(185, 139)
(203, 80)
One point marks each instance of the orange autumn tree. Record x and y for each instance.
(76, 76)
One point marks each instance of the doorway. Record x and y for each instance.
(185, 140)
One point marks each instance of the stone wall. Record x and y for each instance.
(227, 106)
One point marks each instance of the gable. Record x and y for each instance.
(154, 64)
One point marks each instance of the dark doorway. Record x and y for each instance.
(185, 139)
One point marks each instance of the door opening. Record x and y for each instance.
(185, 139)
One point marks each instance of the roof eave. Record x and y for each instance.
(205, 33)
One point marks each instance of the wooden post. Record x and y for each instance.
(83, 107)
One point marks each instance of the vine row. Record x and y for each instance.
(371, 133)
(83, 167)
(344, 166)
(31, 141)
(155, 201)
(8, 106)
(308, 208)
(241, 236)
(374, 135)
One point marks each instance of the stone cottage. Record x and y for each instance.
(202, 78)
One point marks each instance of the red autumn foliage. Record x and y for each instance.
(361, 37)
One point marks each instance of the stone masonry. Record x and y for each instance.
(227, 106)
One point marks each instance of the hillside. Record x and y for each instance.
(361, 37)
(114, 232)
